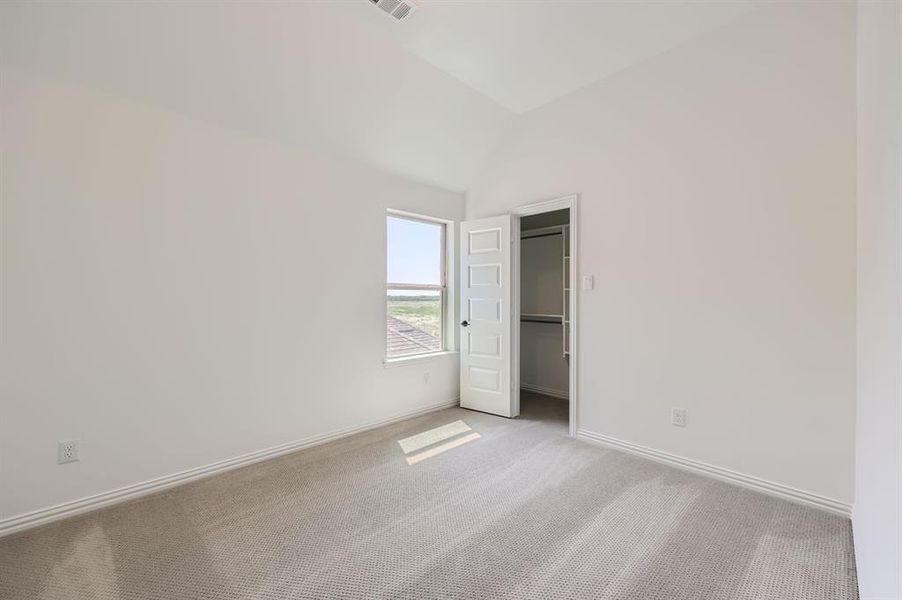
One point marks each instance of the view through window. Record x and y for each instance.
(415, 290)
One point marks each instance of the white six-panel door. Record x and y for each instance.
(485, 309)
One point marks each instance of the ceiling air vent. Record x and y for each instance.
(397, 9)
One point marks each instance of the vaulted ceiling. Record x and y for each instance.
(427, 98)
(523, 54)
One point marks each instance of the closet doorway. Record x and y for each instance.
(544, 268)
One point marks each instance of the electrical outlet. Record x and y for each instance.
(426, 377)
(66, 451)
(678, 417)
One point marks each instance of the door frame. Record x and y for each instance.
(570, 201)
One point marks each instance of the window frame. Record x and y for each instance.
(443, 287)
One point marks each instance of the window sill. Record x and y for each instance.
(403, 361)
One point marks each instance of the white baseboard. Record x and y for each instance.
(129, 492)
(544, 390)
(747, 481)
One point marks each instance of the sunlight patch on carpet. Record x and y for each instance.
(412, 460)
(433, 436)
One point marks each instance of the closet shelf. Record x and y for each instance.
(533, 318)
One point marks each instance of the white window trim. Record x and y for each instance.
(413, 359)
(449, 304)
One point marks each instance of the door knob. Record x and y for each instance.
(464, 323)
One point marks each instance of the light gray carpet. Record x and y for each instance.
(521, 512)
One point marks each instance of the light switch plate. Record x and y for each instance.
(588, 282)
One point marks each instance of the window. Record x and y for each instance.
(415, 290)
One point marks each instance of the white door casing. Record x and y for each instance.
(486, 315)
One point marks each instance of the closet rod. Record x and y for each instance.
(526, 236)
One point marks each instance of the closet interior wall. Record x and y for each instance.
(544, 301)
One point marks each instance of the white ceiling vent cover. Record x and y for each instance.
(397, 9)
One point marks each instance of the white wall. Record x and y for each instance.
(542, 364)
(877, 520)
(717, 214)
(175, 293)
